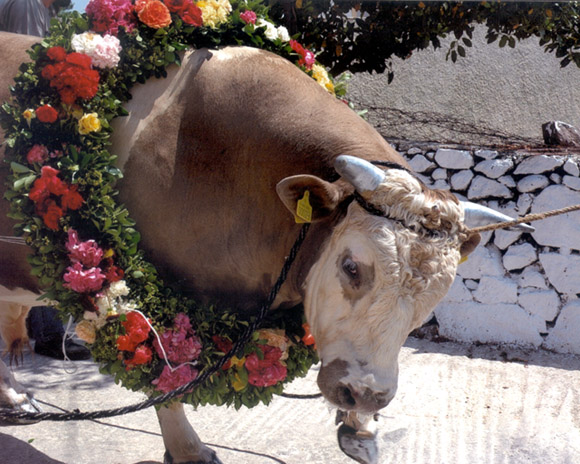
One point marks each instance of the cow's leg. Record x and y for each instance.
(13, 328)
(182, 444)
(14, 397)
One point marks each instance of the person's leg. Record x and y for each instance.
(47, 330)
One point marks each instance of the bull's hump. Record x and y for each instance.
(157, 96)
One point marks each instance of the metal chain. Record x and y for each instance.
(240, 343)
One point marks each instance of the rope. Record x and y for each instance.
(527, 218)
(240, 343)
(12, 240)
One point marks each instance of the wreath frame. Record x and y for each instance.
(85, 165)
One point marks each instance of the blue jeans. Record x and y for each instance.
(44, 325)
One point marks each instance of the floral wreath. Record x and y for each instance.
(85, 250)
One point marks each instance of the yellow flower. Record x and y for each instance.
(76, 113)
(239, 363)
(89, 123)
(29, 115)
(85, 330)
(321, 76)
(238, 383)
(214, 12)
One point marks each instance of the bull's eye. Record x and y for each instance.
(350, 268)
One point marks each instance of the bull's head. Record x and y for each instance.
(385, 266)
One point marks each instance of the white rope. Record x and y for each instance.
(12, 240)
(171, 368)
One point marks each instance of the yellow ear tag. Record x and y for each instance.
(298, 3)
(462, 259)
(303, 209)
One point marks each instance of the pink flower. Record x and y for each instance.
(37, 154)
(249, 17)
(181, 345)
(268, 371)
(110, 15)
(169, 381)
(88, 253)
(83, 280)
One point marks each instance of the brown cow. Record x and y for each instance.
(212, 154)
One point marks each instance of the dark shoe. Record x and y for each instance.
(53, 349)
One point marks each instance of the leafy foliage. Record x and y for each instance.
(365, 36)
(86, 162)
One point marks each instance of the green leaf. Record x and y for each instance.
(24, 182)
(19, 168)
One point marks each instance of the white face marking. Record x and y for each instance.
(363, 323)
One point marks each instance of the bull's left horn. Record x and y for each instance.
(364, 176)
(478, 215)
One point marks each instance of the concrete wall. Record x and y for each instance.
(493, 96)
(516, 287)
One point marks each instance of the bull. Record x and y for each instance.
(215, 158)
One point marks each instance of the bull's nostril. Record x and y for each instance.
(345, 397)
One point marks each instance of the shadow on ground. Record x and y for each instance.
(502, 353)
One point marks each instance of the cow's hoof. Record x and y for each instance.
(167, 459)
(360, 446)
(18, 402)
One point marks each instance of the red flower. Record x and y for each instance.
(79, 59)
(308, 338)
(142, 355)
(46, 113)
(136, 329)
(114, 273)
(72, 77)
(52, 215)
(53, 197)
(175, 6)
(224, 345)
(307, 58)
(191, 14)
(153, 13)
(48, 183)
(249, 17)
(268, 371)
(71, 199)
(56, 53)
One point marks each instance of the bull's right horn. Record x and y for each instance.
(478, 215)
(364, 176)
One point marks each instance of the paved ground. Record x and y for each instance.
(456, 404)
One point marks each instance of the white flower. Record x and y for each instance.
(271, 32)
(117, 289)
(283, 34)
(104, 50)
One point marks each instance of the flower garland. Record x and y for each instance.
(85, 245)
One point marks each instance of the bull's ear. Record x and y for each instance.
(469, 245)
(322, 196)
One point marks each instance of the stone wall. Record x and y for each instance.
(518, 288)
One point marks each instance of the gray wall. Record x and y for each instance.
(493, 96)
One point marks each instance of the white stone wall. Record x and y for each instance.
(517, 288)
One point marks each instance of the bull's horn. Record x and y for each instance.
(477, 215)
(364, 176)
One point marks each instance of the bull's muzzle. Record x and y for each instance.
(334, 385)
